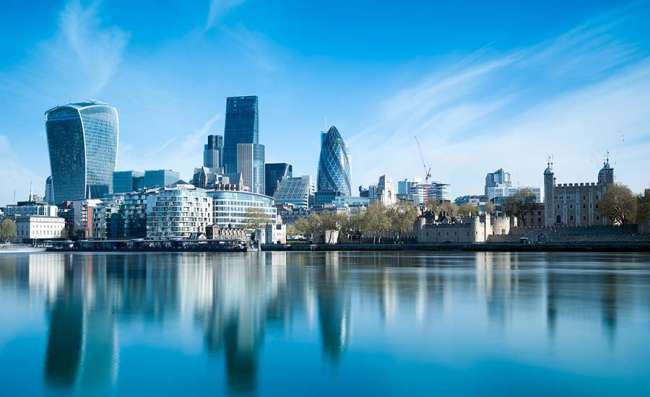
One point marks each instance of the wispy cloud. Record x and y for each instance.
(217, 9)
(573, 96)
(14, 174)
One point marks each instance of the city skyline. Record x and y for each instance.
(468, 95)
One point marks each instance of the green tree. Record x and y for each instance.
(619, 205)
(402, 217)
(449, 209)
(7, 230)
(467, 210)
(376, 221)
(256, 218)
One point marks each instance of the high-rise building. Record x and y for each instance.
(274, 173)
(82, 140)
(333, 167)
(49, 191)
(250, 165)
(385, 191)
(160, 178)
(294, 191)
(241, 127)
(213, 153)
(127, 181)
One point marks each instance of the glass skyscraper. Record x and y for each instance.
(241, 127)
(127, 181)
(250, 164)
(82, 140)
(333, 165)
(273, 174)
(160, 178)
(213, 153)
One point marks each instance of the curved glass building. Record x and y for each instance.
(333, 165)
(82, 140)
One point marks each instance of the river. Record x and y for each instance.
(325, 323)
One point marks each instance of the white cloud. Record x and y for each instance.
(573, 97)
(217, 9)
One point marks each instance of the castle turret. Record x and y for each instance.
(606, 174)
(549, 188)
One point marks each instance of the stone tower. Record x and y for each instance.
(549, 191)
(606, 174)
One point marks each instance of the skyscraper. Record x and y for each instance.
(82, 140)
(333, 166)
(160, 178)
(127, 181)
(250, 164)
(273, 174)
(241, 127)
(213, 153)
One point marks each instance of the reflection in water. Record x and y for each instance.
(234, 299)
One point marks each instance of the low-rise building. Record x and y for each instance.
(107, 219)
(36, 227)
(237, 209)
(478, 229)
(29, 208)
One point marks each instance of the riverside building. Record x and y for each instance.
(575, 204)
(239, 209)
(36, 227)
(178, 212)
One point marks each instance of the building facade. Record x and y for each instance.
(333, 166)
(386, 194)
(274, 173)
(213, 153)
(477, 230)
(30, 208)
(236, 209)
(294, 191)
(82, 139)
(127, 181)
(160, 178)
(250, 165)
(107, 219)
(36, 227)
(575, 204)
(241, 127)
(179, 212)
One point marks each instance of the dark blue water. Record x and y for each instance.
(323, 324)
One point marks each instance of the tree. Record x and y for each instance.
(449, 209)
(489, 207)
(7, 230)
(376, 220)
(256, 218)
(519, 202)
(643, 207)
(619, 205)
(467, 210)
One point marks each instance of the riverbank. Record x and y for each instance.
(19, 248)
(591, 246)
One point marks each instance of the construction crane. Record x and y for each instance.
(427, 169)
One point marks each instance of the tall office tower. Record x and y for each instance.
(333, 167)
(49, 191)
(294, 191)
(241, 127)
(82, 140)
(213, 153)
(127, 181)
(497, 184)
(250, 165)
(160, 178)
(274, 173)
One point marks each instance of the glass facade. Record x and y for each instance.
(232, 208)
(250, 164)
(294, 191)
(160, 178)
(333, 165)
(82, 140)
(241, 127)
(127, 181)
(274, 173)
(213, 153)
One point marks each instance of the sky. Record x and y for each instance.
(483, 85)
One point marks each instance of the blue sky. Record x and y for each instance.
(482, 84)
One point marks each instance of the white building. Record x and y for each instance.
(178, 212)
(385, 191)
(237, 208)
(38, 227)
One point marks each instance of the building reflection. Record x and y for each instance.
(235, 300)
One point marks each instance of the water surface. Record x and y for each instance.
(323, 324)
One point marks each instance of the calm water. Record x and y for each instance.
(273, 324)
